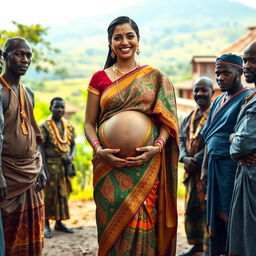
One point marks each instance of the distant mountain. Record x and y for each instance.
(171, 33)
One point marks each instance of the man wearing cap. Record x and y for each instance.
(217, 165)
(242, 222)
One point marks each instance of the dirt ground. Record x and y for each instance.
(84, 240)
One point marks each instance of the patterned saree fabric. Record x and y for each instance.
(133, 202)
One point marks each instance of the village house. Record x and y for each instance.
(204, 66)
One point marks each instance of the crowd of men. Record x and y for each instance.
(217, 147)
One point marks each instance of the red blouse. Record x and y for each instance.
(99, 82)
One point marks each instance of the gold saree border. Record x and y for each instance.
(129, 207)
(100, 169)
(122, 83)
(168, 119)
(93, 90)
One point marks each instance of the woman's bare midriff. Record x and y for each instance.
(126, 131)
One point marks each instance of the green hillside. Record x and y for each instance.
(171, 33)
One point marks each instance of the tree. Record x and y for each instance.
(62, 73)
(35, 34)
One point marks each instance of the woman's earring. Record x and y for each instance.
(113, 55)
(137, 57)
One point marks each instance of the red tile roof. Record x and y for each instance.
(239, 46)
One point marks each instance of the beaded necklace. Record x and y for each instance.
(57, 140)
(21, 101)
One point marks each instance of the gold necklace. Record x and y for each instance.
(57, 140)
(120, 74)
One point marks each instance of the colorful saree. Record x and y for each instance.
(136, 206)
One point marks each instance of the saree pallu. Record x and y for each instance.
(136, 206)
(24, 226)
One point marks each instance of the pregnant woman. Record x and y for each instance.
(131, 123)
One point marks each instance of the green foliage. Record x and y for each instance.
(62, 73)
(41, 110)
(83, 180)
(35, 34)
(72, 91)
(181, 187)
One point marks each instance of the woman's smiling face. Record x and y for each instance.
(124, 41)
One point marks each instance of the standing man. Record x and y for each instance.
(58, 152)
(23, 207)
(191, 154)
(3, 188)
(217, 162)
(242, 223)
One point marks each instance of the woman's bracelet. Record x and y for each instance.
(95, 143)
(161, 141)
(97, 150)
(159, 146)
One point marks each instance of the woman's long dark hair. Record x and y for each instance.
(118, 21)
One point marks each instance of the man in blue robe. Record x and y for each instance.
(217, 165)
(242, 222)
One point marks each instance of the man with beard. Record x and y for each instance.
(191, 154)
(242, 223)
(23, 206)
(217, 163)
(3, 188)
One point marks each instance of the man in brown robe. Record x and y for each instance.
(23, 206)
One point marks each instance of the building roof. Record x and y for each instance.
(185, 85)
(204, 59)
(188, 85)
(71, 108)
(239, 46)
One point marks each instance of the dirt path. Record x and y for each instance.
(84, 240)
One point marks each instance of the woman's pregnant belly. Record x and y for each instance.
(126, 131)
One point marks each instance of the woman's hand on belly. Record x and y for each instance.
(107, 154)
(148, 152)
